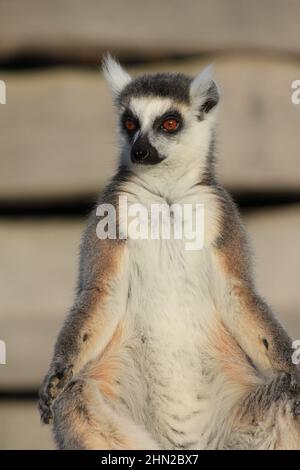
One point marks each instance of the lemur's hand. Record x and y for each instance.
(296, 374)
(54, 384)
(282, 390)
(286, 385)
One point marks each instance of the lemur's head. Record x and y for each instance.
(165, 117)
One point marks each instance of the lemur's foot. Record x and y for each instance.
(280, 385)
(54, 384)
(284, 384)
(295, 396)
(282, 389)
(296, 409)
(287, 387)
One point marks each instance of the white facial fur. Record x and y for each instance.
(187, 147)
(191, 143)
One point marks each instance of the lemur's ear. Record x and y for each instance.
(204, 91)
(116, 77)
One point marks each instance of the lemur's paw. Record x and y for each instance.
(295, 386)
(54, 384)
(287, 388)
(280, 385)
(295, 396)
(296, 408)
(58, 381)
(45, 410)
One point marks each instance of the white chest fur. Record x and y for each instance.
(171, 306)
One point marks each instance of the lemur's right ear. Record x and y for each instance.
(204, 91)
(116, 77)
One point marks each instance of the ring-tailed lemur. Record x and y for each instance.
(165, 347)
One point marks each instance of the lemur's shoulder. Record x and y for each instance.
(99, 255)
(232, 242)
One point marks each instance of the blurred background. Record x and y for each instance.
(58, 149)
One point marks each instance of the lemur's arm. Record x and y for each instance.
(100, 303)
(246, 315)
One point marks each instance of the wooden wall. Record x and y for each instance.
(58, 149)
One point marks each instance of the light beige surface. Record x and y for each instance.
(38, 274)
(58, 129)
(74, 29)
(21, 428)
(37, 279)
(57, 135)
(274, 234)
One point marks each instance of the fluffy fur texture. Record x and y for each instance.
(164, 347)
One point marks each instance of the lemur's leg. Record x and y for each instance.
(99, 305)
(85, 419)
(271, 414)
(245, 314)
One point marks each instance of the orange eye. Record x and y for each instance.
(130, 125)
(170, 125)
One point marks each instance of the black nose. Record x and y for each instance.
(140, 154)
(143, 152)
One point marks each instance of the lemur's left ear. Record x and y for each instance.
(204, 91)
(116, 77)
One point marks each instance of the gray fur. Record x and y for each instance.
(243, 359)
(168, 85)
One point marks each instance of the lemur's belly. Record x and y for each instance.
(170, 307)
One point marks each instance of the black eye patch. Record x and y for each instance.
(171, 115)
(129, 123)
